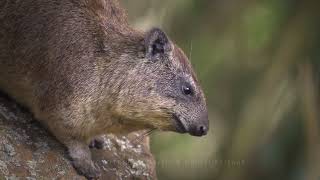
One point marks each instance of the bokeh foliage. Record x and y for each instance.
(259, 65)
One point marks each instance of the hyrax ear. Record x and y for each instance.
(157, 44)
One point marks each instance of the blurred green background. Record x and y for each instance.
(259, 65)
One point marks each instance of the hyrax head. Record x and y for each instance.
(161, 90)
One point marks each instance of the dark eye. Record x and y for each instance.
(187, 90)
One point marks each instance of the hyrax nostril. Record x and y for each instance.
(202, 130)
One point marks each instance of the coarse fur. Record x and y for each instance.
(83, 71)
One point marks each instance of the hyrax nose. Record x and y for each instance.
(199, 130)
(200, 126)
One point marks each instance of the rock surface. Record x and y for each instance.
(28, 151)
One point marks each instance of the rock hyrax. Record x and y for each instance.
(83, 71)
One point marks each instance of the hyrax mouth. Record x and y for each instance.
(180, 127)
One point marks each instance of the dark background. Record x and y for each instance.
(259, 64)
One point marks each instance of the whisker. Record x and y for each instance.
(140, 138)
(190, 54)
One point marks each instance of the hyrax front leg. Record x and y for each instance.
(67, 119)
(81, 159)
(78, 150)
(69, 134)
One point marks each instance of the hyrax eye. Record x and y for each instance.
(187, 90)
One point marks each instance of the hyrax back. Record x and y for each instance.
(83, 71)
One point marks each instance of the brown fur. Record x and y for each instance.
(82, 71)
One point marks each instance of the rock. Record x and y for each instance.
(28, 151)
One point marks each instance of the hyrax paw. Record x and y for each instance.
(87, 169)
(97, 143)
